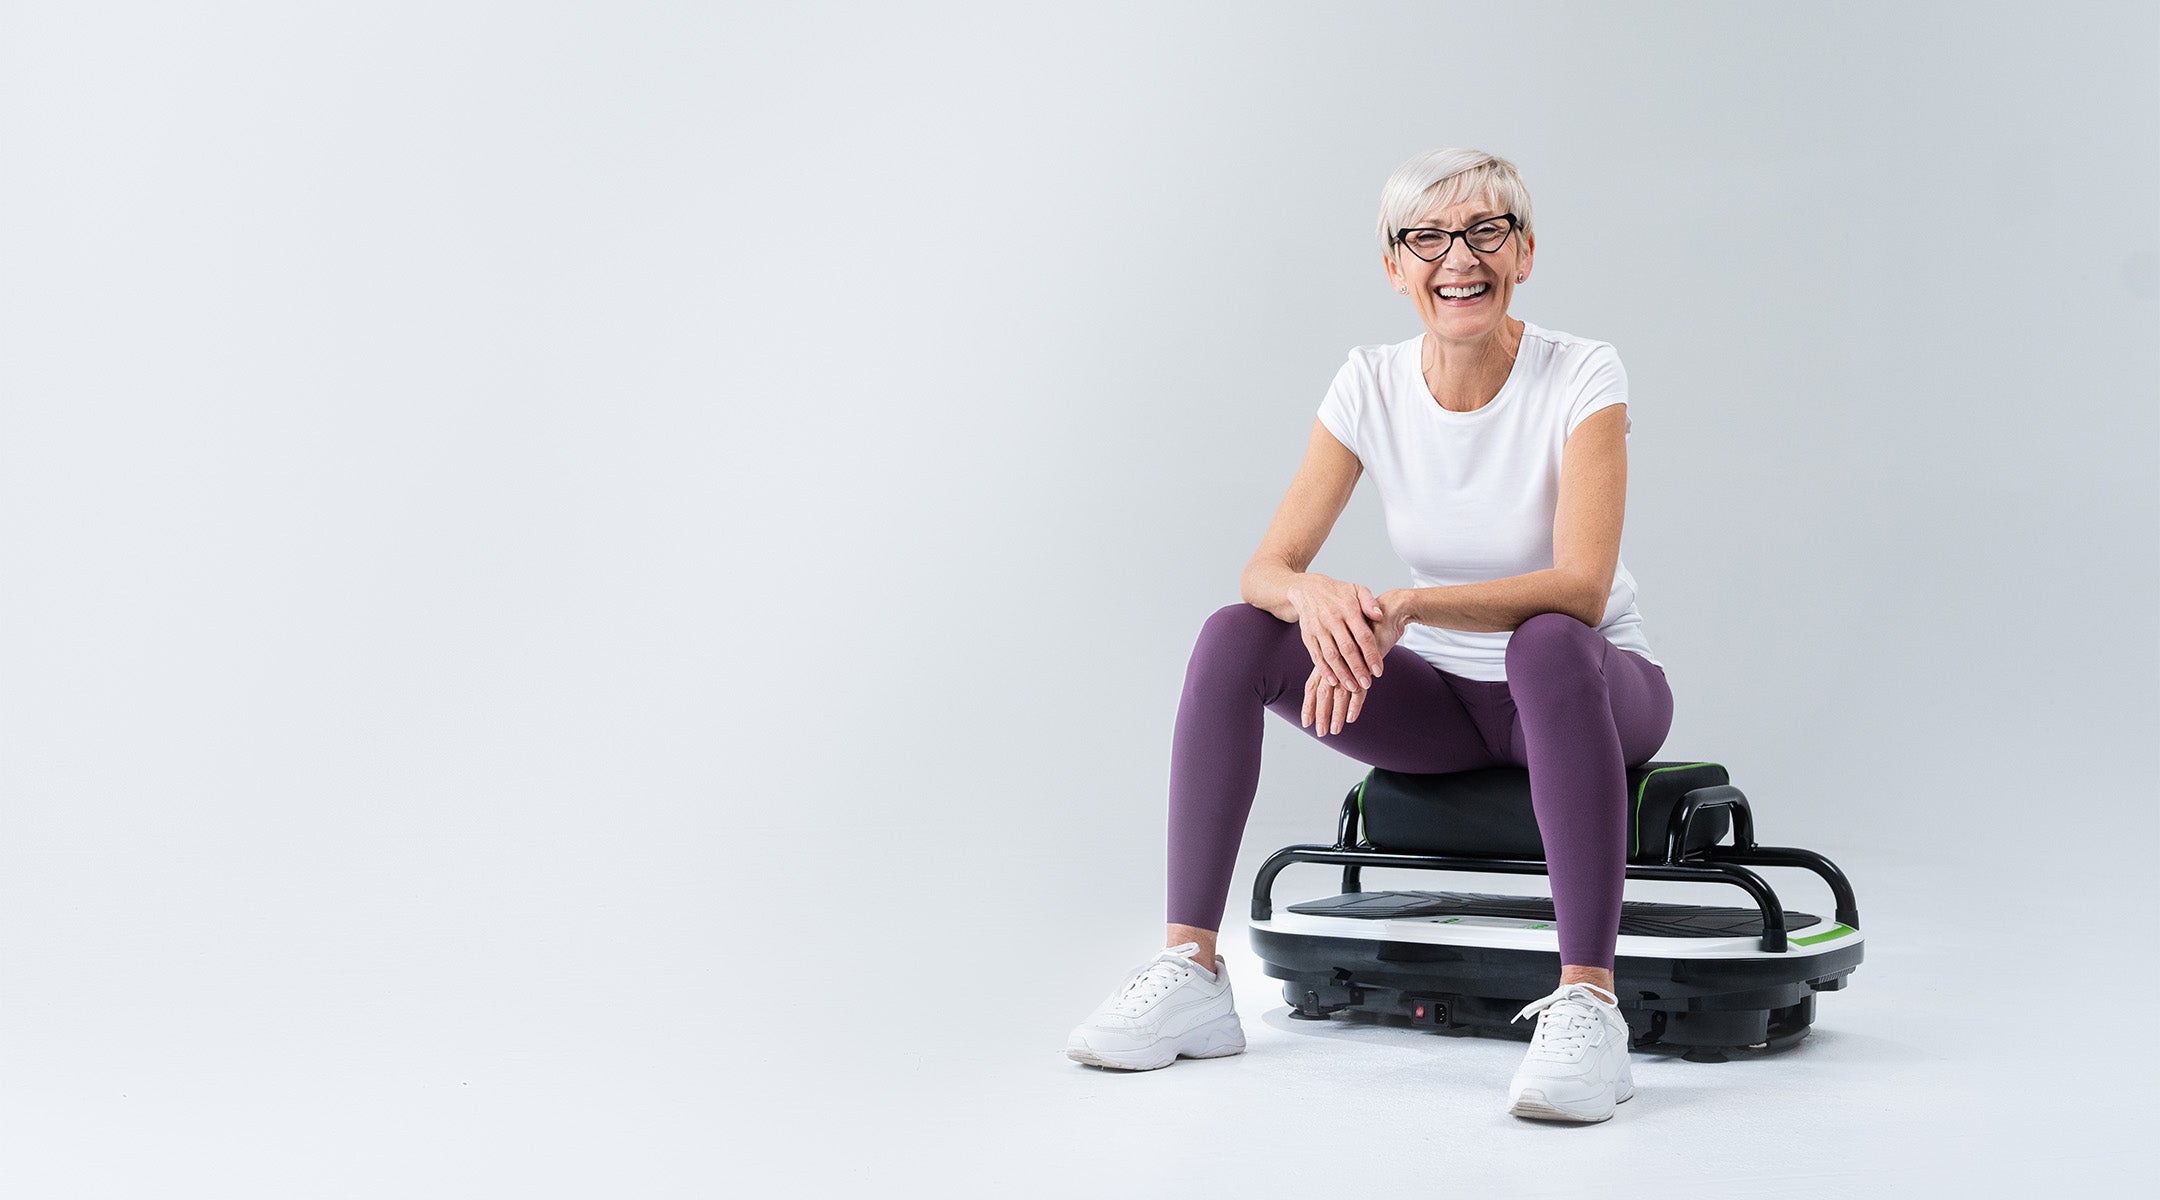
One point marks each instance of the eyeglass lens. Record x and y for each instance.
(1430, 244)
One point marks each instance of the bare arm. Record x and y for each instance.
(1317, 496)
(1490, 605)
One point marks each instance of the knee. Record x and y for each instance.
(1235, 623)
(1555, 645)
(1236, 630)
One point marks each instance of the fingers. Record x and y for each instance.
(1333, 659)
(1357, 649)
(1368, 651)
(1317, 711)
(1341, 707)
(1368, 643)
(1327, 708)
(1339, 637)
(1340, 653)
(1320, 649)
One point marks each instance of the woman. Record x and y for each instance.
(1499, 449)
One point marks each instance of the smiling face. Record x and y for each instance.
(1437, 289)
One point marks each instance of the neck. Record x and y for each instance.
(1465, 376)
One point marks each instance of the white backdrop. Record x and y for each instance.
(594, 594)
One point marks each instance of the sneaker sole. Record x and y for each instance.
(1533, 1104)
(1219, 1038)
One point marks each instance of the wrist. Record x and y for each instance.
(1399, 605)
(1289, 607)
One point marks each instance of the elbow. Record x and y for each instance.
(1590, 605)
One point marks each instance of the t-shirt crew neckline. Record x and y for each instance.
(1417, 375)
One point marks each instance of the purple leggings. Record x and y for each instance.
(1574, 708)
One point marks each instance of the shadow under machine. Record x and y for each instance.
(1698, 980)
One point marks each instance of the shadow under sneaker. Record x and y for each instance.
(1165, 1010)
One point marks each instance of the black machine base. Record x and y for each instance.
(1702, 981)
(1699, 1037)
(1705, 1008)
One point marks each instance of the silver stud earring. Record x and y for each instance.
(1519, 278)
(1404, 291)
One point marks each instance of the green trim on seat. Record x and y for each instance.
(1836, 931)
(1642, 789)
(1361, 839)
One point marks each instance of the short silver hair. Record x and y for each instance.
(1438, 178)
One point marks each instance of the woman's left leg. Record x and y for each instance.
(1584, 711)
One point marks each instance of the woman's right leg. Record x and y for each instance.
(1245, 661)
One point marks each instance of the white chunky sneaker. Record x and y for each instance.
(1166, 1009)
(1577, 1067)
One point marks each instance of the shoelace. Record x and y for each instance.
(1155, 981)
(1566, 1020)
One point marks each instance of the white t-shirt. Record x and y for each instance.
(1470, 496)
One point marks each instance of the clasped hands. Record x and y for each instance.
(1348, 631)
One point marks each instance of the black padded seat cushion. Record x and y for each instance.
(1487, 813)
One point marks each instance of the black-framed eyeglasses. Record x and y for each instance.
(1432, 245)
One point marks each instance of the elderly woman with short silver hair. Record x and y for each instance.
(1500, 452)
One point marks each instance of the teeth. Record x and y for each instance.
(1461, 293)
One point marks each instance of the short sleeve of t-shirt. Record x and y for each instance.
(1343, 406)
(1598, 381)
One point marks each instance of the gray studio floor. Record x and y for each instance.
(826, 1045)
(1934, 1070)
